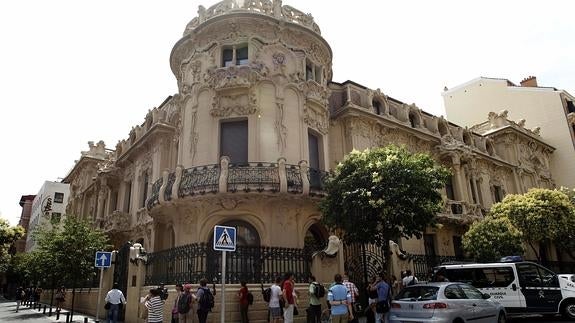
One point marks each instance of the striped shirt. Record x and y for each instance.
(155, 306)
(352, 289)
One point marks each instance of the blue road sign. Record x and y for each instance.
(224, 238)
(103, 259)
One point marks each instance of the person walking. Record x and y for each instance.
(155, 306)
(314, 311)
(288, 297)
(383, 297)
(60, 298)
(339, 298)
(244, 302)
(274, 304)
(115, 297)
(354, 292)
(20, 296)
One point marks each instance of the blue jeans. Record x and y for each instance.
(113, 313)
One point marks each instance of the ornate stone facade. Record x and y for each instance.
(266, 64)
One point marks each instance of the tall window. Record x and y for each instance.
(235, 56)
(376, 106)
(458, 247)
(144, 190)
(234, 141)
(429, 243)
(449, 189)
(313, 143)
(498, 193)
(309, 72)
(127, 196)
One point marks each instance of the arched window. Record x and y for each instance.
(376, 107)
(315, 238)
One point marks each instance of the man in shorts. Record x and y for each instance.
(274, 305)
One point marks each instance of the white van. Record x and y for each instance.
(522, 287)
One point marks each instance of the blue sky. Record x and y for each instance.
(79, 71)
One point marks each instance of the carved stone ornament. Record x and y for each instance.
(238, 105)
(316, 118)
(242, 76)
(281, 129)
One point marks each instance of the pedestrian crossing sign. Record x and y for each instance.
(224, 238)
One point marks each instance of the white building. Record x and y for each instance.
(48, 208)
(547, 111)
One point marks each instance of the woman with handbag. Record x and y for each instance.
(60, 298)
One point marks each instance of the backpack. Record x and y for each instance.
(267, 293)
(319, 290)
(250, 298)
(184, 303)
(207, 300)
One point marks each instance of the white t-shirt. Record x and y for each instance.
(407, 280)
(275, 296)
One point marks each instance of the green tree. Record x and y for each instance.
(542, 215)
(382, 194)
(69, 250)
(8, 235)
(492, 238)
(566, 240)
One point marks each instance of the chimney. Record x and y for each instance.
(530, 81)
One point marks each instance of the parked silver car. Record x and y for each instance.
(445, 302)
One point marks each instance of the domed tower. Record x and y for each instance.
(253, 77)
(253, 124)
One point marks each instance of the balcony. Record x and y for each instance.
(118, 221)
(226, 177)
(461, 212)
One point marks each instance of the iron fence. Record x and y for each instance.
(153, 199)
(190, 263)
(253, 176)
(294, 184)
(423, 264)
(169, 185)
(317, 179)
(200, 180)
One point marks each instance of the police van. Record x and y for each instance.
(522, 287)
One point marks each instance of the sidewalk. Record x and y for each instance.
(28, 315)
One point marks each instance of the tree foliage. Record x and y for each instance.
(8, 235)
(542, 215)
(66, 253)
(384, 193)
(493, 238)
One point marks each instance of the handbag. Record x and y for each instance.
(108, 305)
(295, 311)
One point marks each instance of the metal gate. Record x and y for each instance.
(362, 263)
(121, 271)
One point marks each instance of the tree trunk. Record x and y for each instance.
(535, 251)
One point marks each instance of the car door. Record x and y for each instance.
(540, 288)
(458, 301)
(485, 310)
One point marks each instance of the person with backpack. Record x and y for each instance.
(185, 300)
(409, 279)
(316, 292)
(205, 300)
(244, 301)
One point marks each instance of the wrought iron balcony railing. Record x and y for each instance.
(249, 177)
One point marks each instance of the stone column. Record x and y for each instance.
(458, 180)
(136, 276)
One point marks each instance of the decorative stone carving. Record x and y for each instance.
(239, 105)
(316, 118)
(118, 221)
(281, 129)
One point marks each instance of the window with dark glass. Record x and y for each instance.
(144, 190)
(376, 106)
(458, 247)
(58, 197)
(227, 57)
(449, 189)
(429, 243)
(471, 292)
(127, 197)
(498, 192)
(313, 142)
(234, 141)
(242, 55)
(570, 107)
(308, 72)
(454, 292)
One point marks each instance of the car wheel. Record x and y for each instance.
(569, 310)
(502, 318)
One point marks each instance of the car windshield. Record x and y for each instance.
(418, 293)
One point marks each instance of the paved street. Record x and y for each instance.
(28, 315)
(539, 319)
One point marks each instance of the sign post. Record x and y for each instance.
(103, 260)
(224, 240)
